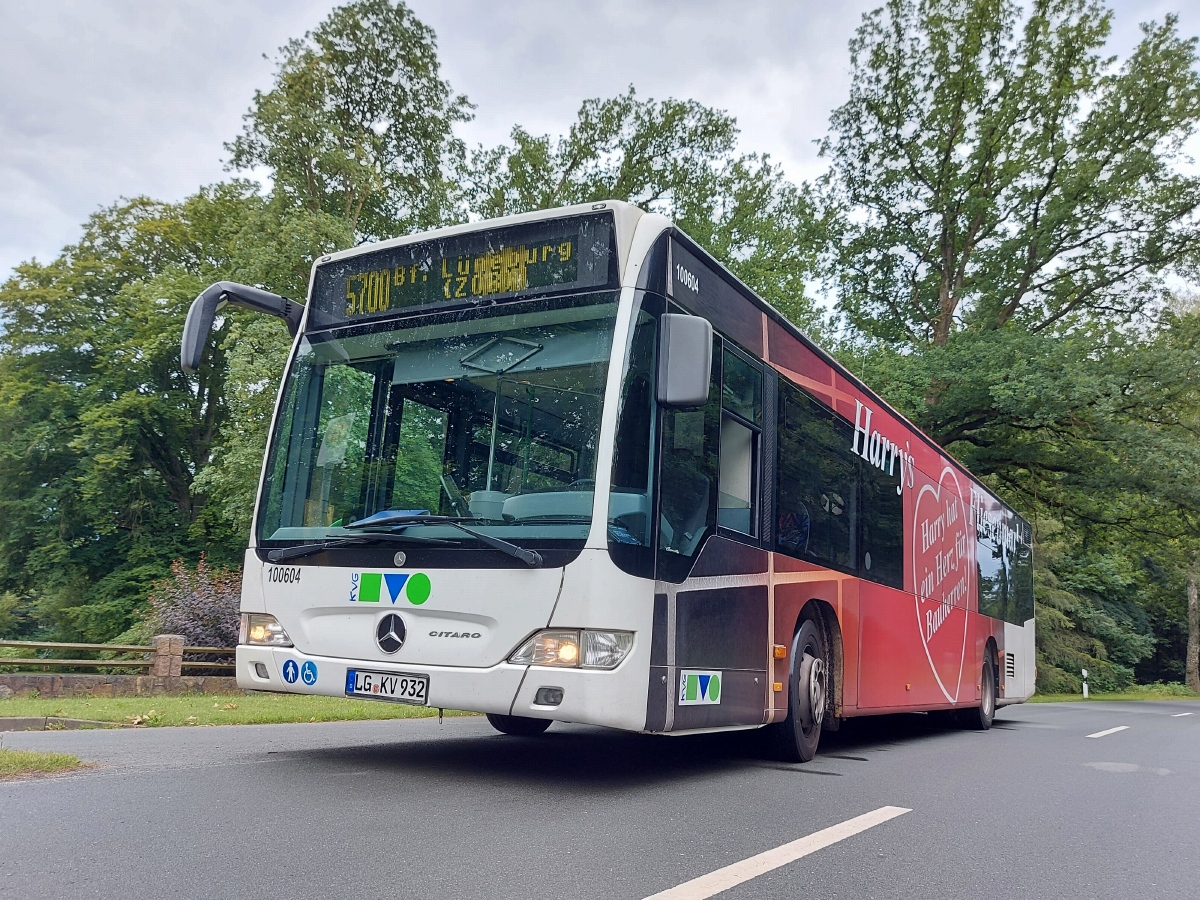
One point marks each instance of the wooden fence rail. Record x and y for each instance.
(56, 645)
(166, 656)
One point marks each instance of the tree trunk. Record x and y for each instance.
(1193, 615)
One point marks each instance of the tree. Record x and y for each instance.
(356, 133)
(674, 157)
(358, 125)
(986, 177)
(100, 432)
(1193, 622)
(1008, 203)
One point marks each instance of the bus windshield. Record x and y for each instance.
(490, 414)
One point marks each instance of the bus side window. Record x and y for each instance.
(816, 483)
(741, 419)
(882, 519)
(690, 442)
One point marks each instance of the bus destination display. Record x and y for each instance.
(558, 255)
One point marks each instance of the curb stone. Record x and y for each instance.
(53, 723)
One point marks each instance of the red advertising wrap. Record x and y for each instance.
(914, 648)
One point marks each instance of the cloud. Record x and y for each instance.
(778, 67)
(101, 99)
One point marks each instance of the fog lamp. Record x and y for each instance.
(261, 630)
(548, 696)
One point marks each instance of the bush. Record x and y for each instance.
(201, 604)
(1161, 689)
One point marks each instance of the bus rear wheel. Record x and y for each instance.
(522, 726)
(797, 736)
(981, 717)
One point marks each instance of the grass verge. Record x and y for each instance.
(15, 763)
(215, 709)
(1133, 692)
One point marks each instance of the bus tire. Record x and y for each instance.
(522, 726)
(980, 718)
(797, 736)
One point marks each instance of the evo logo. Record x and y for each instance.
(367, 587)
(696, 688)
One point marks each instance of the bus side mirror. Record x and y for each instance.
(684, 360)
(204, 308)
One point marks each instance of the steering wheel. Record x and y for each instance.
(583, 484)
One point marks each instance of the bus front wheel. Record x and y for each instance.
(522, 726)
(797, 736)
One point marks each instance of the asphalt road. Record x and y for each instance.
(414, 809)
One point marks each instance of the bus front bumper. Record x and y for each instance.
(589, 696)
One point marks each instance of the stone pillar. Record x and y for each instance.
(168, 655)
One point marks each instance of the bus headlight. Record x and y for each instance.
(585, 649)
(261, 630)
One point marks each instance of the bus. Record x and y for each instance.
(565, 466)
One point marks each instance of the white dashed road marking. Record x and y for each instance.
(1109, 731)
(732, 875)
(1177, 715)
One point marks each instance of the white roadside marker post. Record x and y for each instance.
(1085, 692)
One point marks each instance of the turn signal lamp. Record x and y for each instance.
(585, 649)
(261, 630)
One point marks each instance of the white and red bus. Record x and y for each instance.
(565, 466)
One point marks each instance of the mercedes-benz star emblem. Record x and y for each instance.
(390, 632)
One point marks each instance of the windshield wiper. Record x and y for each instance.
(404, 520)
(560, 519)
(386, 537)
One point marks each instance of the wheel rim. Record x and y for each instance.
(989, 692)
(816, 690)
(810, 698)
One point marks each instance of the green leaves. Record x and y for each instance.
(990, 169)
(358, 124)
(672, 157)
(1007, 205)
(100, 433)
(654, 154)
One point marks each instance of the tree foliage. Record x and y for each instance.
(1009, 202)
(100, 433)
(1004, 211)
(673, 157)
(992, 165)
(358, 125)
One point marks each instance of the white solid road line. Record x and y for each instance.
(1109, 731)
(1177, 715)
(723, 879)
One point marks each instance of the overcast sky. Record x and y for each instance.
(102, 99)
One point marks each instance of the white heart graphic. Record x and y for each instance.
(943, 569)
